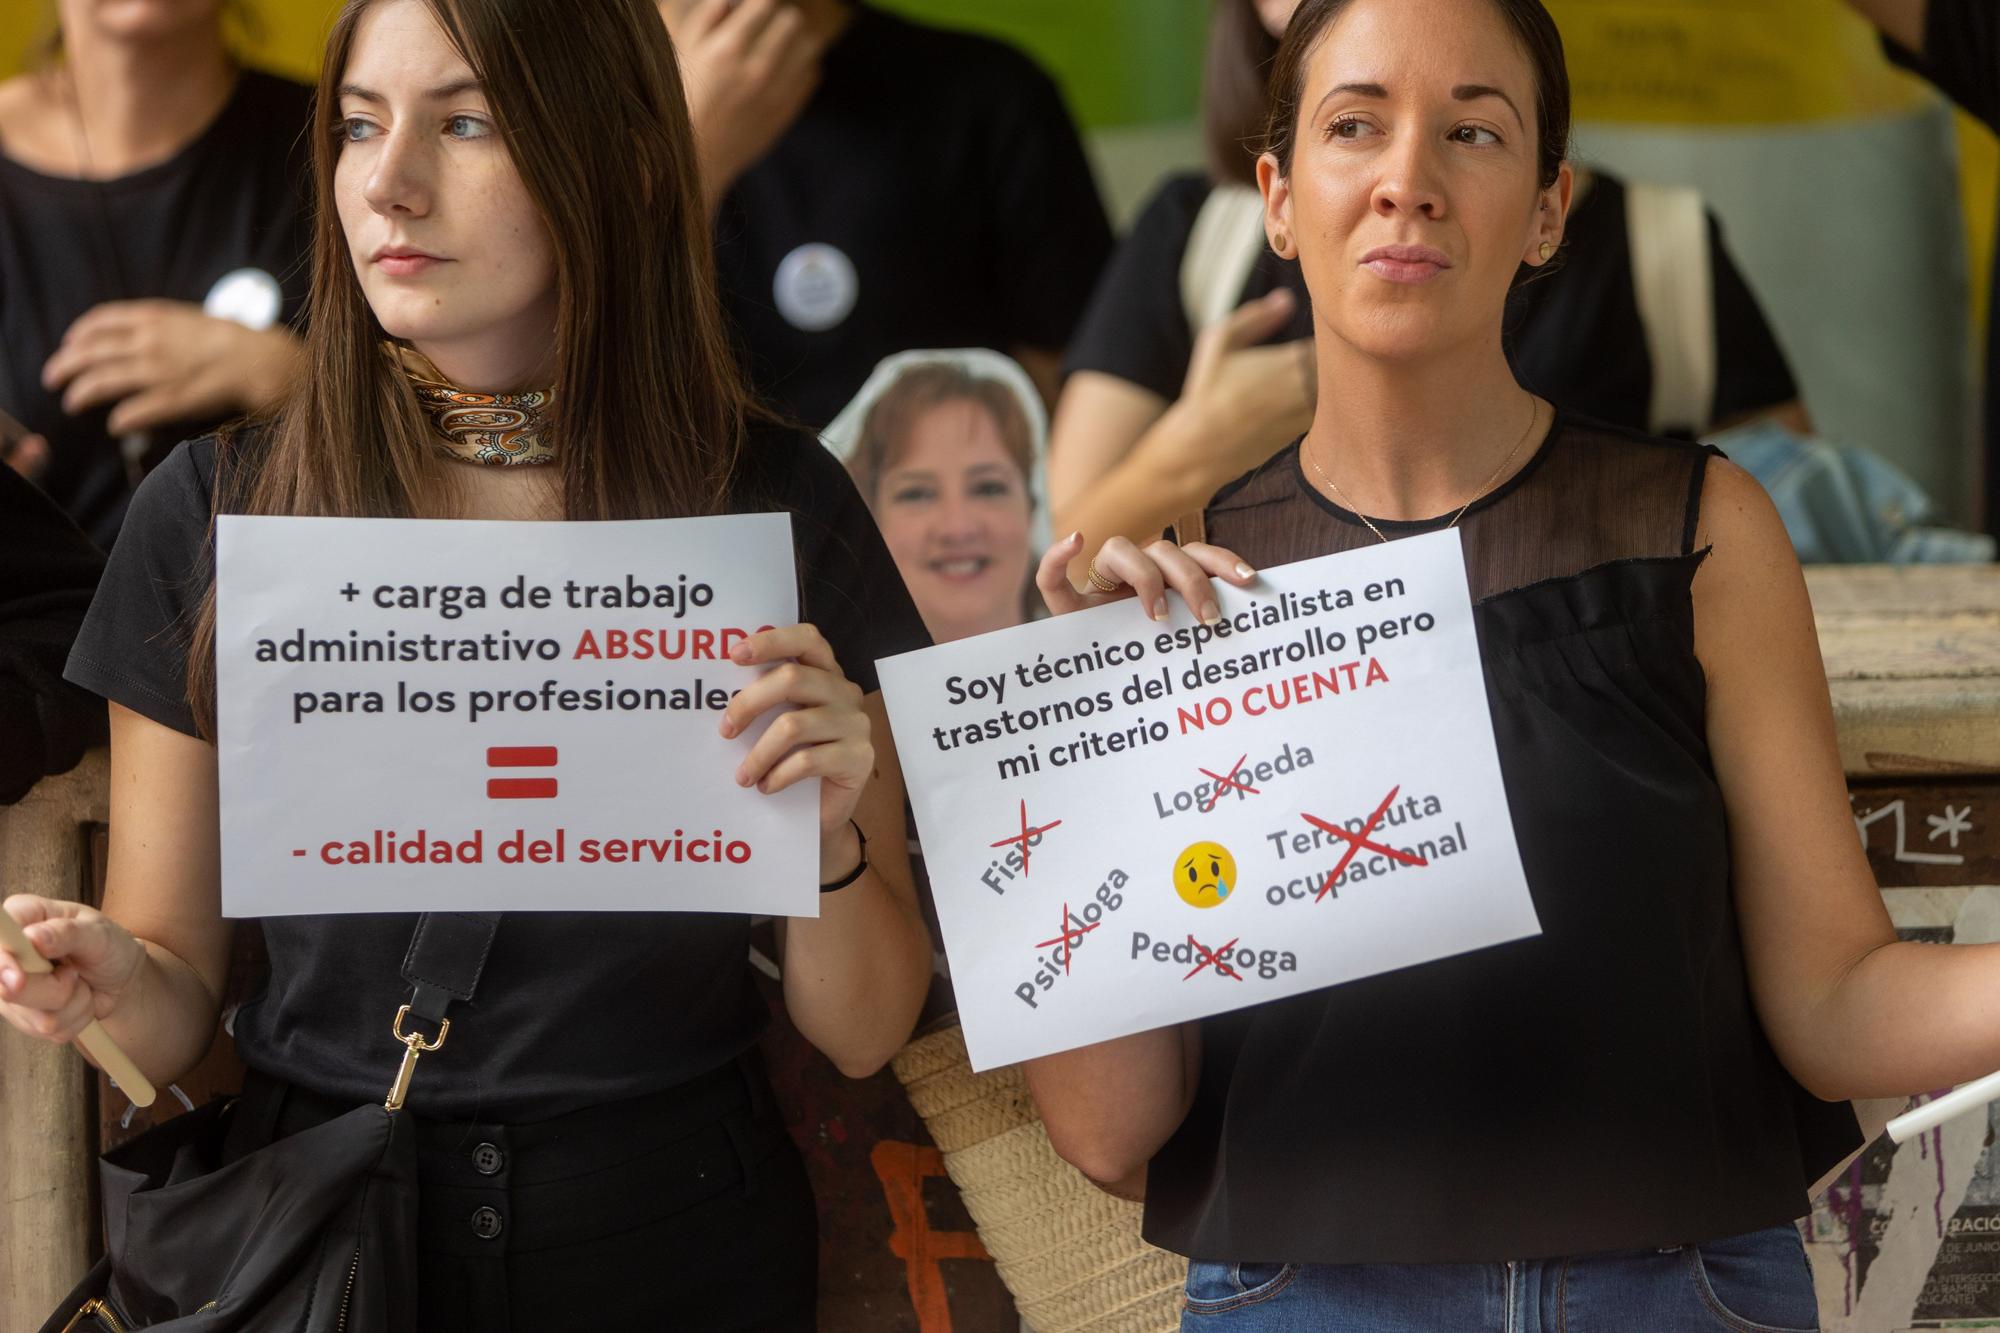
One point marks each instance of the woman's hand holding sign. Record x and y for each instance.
(855, 975)
(825, 735)
(1148, 572)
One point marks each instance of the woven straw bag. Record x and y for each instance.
(1069, 1252)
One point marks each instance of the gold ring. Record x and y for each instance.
(1099, 583)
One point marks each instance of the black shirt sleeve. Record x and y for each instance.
(50, 569)
(1047, 233)
(133, 648)
(1136, 327)
(1961, 54)
(1750, 368)
(849, 587)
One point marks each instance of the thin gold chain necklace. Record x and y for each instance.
(1534, 415)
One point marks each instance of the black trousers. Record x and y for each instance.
(688, 1209)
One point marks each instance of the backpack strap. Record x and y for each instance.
(1222, 248)
(1674, 282)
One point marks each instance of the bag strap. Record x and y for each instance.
(1222, 248)
(447, 954)
(1674, 283)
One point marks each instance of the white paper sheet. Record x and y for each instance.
(1130, 824)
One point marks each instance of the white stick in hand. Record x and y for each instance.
(1957, 1102)
(94, 1039)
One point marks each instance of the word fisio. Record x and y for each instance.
(1055, 963)
(1266, 963)
(385, 847)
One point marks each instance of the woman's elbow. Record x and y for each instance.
(1100, 1153)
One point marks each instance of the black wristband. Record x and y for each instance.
(859, 867)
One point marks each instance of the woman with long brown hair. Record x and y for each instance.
(510, 209)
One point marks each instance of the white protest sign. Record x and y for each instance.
(422, 715)
(1130, 824)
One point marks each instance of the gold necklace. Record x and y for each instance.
(1534, 415)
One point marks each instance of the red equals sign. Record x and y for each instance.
(520, 756)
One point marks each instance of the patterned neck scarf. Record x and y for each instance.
(505, 429)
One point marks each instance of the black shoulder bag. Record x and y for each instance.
(314, 1233)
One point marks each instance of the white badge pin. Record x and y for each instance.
(247, 296)
(815, 287)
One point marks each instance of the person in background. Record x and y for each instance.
(1956, 45)
(1193, 363)
(46, 723)
(880, 185)
(944, 458)
(152, 246)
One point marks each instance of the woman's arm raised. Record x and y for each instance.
(151, 965)
(1109, 1107)
(1852, 1011)
(855, 976)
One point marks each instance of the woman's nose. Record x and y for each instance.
(400, 180)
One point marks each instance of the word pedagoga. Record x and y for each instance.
(1054, 965)
(1229, 960)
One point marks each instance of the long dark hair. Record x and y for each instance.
(649, 410)
(1532, 27)
(1235, 71)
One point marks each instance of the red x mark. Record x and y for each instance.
(1027, 831)
(1207, 958)
(1356, 841)
(1223, 784)
(1069, 937)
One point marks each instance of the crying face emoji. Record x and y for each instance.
(1205, 875)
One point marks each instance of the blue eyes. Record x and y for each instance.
(354, 129)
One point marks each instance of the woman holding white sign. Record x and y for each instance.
(510, 220)
(1613, 1125)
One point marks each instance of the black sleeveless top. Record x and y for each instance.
(1605, 1085)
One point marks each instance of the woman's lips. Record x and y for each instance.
(959, 569)
(406, 265)
(1405, 263)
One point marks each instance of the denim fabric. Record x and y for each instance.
(1759, 1282)
(1846, 505)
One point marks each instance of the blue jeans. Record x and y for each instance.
(1755, 1283)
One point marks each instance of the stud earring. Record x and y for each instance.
(1547, 250)
(1280, 241)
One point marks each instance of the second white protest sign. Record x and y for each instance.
(1130, 824)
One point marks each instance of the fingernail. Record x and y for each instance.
(1211, 614)
(740, 652)
(742, 778)
(728, 729)
(1075, 538)
(10, 979)
(1244, 571)
(1160, 609)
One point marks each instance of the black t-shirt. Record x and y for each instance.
(48, 570)
(573, 1008)
(1573, 336)
(235, 198)
(933, 193)
(1962, 57)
